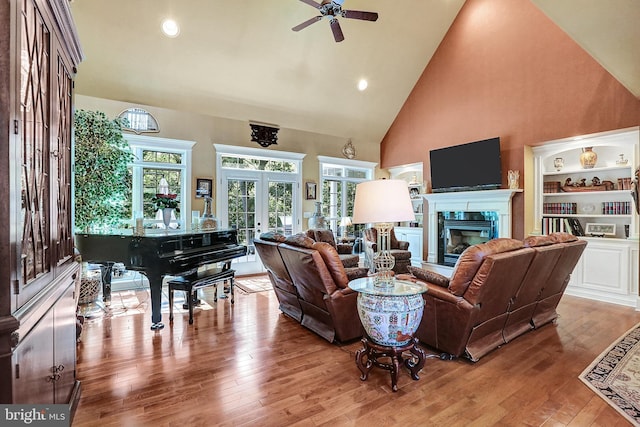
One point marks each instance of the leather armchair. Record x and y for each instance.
(399, 250)
(345, 250)
(267, 247)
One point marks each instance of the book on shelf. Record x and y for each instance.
(563, 225)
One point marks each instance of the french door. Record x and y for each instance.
(254, 202)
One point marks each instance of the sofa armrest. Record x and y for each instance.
(344, 248)
(429, 276)
(443, 294)
(403, 245)
(356, 272)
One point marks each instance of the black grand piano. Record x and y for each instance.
(159, 253)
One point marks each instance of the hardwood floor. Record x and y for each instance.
(249, 364)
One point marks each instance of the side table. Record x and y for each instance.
(390, 316)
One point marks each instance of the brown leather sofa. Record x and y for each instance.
(498, 291)
(267, 248)
(345, 250)
(399, 250)
(317, 278)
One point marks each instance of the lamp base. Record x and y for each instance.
(383, 260)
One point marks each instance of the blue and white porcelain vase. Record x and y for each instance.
(317, 219)
(390, 320)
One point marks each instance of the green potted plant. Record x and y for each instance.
(165, 201)
(102, 179)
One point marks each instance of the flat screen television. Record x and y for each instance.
(466, 167)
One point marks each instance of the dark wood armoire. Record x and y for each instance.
(39, 52)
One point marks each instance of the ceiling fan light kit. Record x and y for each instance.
(332, 9)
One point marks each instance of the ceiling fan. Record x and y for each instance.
(332, 9)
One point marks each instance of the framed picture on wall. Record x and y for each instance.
(203, 187)
(310, 190)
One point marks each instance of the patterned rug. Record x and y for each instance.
(614, 375)
(251, 284)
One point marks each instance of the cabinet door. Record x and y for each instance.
(605, 267)
(62, 116)
(34, 228)
(32, 361)
(64, 350)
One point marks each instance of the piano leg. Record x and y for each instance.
(155, 286)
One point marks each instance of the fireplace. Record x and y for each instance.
(493, 206)
(459, 230)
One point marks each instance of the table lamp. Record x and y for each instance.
(344, 223)
(383, 202)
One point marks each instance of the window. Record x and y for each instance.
(157, 158)
(339, 178)
(138, 121)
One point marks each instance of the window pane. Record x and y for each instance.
(357, 173)
(161, 157)
(151, 179)
(258, 164)
(328, 170)
(280, 207)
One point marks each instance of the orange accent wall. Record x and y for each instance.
(505, 69)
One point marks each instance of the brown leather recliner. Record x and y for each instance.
(345, 250)
(535, 303)
(267, 247)
(466, 314)
(399, 250)
(498, 291)
(327, 304)
(554, 287)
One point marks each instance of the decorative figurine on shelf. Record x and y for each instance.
(558, 163)
(208, 220)
(596, 185)
(622, 161)
(514, 179)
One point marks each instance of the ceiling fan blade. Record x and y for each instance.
(357, 14)
(337, 31)
(306, 23)
(312, 3)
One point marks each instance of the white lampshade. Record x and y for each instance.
(382, 200)
(345, 221)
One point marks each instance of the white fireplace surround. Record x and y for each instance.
(464, 201)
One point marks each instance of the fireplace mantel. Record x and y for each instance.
(466, 201)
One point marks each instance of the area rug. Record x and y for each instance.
(614, 375)
(251, 284)
(138, 301)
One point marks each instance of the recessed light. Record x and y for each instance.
(170, 28)
(362, 84)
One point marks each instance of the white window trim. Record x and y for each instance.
(155, 143)
(263, 154)
(347, 163)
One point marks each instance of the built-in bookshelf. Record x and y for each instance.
(595, 203)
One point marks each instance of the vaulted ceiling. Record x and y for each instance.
(240, 59)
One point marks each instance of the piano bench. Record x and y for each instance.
(190, 284)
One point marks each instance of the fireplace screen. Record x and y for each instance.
(459, 230)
